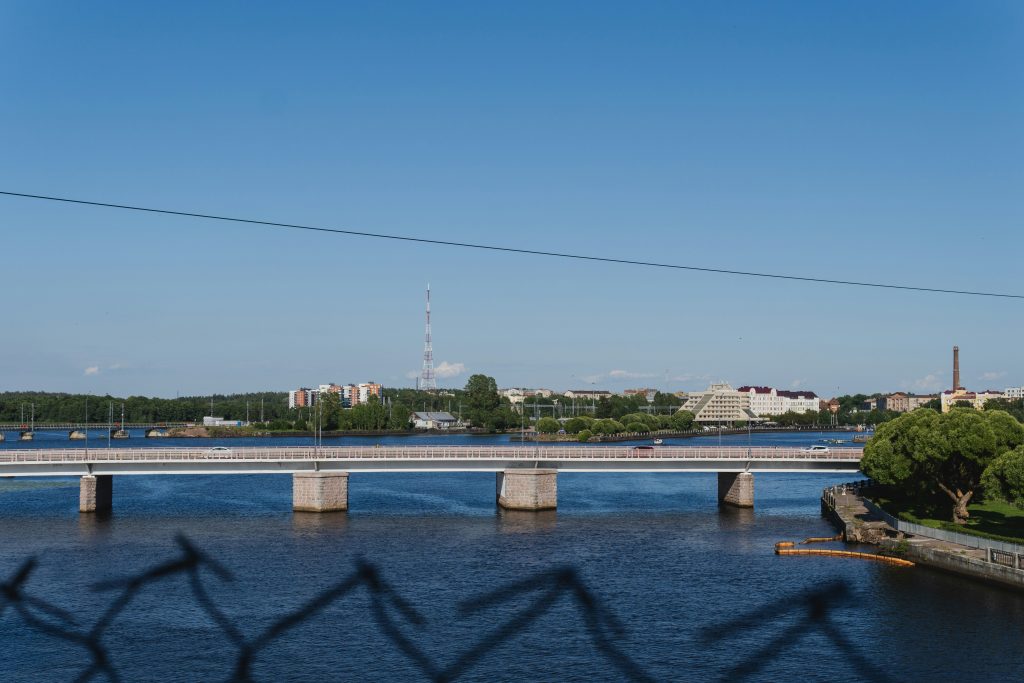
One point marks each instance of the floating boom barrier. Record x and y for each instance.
(819, 539)
(786, 548)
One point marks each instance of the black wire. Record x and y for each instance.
(513, 250)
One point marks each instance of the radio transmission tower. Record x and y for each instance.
(427, 380)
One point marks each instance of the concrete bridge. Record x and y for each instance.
(526, 476)
(76, 430)
(61, 426)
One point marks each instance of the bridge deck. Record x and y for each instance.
(255, 460)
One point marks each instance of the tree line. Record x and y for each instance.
(585, 427)
(64, 407)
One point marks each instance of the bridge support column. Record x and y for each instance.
(527, 489)
(736, 488)
(320, 491)
(96, 493)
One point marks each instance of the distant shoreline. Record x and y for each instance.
(199, 432)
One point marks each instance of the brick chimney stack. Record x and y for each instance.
(956, 368)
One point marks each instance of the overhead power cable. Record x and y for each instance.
(511, 250)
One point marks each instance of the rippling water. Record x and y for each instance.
(653, 547)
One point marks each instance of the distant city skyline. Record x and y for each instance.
(863, 143)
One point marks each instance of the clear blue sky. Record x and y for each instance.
(859, 140)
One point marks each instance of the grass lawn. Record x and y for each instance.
(990, 519)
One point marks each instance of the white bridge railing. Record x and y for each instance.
(439, 453)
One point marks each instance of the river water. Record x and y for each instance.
(654, 549)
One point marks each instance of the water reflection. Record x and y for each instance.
(311, 523)
(735, 519)
(525, 521)
(93, 526)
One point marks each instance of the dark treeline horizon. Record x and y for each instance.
(58, 406)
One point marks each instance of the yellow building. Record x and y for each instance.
(961, 396)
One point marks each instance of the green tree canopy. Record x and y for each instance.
(926, 452)
(576, 425)
(682, 420)
(1003, 479)
(483, 403)
(548, 425)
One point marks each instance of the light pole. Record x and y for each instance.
(110, 422)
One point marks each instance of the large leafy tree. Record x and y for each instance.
(927, 452)
(682, 420)
(548, 425)
(483, 401)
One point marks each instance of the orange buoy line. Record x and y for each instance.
(821, 539)
(786, 548)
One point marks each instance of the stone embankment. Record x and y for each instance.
(861, 521)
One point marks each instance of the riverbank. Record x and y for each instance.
(861, 521)
(200, 432)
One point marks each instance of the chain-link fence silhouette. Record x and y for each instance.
(393, 615)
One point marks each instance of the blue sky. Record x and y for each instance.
(861, 140)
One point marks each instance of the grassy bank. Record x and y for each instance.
(989, 519)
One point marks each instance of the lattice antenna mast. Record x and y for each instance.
(427, 380)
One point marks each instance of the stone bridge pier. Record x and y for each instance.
(527, 489)
(96, 493)
(320, 491)
(736, 488)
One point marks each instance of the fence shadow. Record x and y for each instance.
(400, 622)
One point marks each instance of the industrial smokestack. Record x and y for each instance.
(956, 368)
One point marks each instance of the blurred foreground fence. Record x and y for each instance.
(793, 617)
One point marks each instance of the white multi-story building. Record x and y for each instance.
(769, 401)
(595, 394)
(357, 394)
(1014, 392)
(517, 394)
(720, 403)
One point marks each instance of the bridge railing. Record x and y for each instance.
(405, 453)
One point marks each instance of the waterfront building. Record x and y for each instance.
(770, 401)
(210, 421)
(439, 420)
(720, 403)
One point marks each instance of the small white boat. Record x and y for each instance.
(658, 442)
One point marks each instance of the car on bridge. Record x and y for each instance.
(218, 450)
(817, 448)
